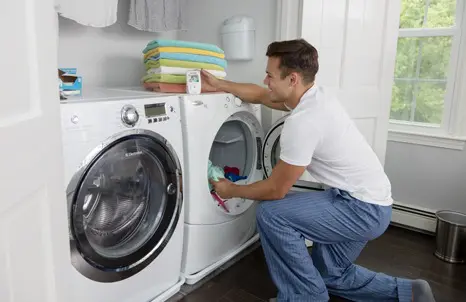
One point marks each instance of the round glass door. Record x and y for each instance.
(126, 205)
(271, 151)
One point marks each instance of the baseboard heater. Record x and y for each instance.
(413, 218)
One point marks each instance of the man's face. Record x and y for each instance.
(280, 89)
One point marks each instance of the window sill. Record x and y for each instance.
(433, 140)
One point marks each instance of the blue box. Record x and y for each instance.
(70, 82)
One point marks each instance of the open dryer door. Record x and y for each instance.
(271, 156)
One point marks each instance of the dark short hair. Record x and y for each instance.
(296, 55)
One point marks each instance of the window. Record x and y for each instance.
(423, 94)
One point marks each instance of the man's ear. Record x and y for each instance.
(294, 79)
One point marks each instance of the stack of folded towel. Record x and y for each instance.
(167, 62)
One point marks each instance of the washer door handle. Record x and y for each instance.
(198, 103)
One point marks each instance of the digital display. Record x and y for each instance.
(193, 78)
(154, 109)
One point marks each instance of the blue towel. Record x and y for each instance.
(233, 177)
(189, 57)
(179, 43)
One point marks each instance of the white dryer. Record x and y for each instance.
(123, 156)
(221, 128)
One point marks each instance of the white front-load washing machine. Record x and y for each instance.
(123, 156)
(219, 128)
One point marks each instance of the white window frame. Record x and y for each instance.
(452, 132)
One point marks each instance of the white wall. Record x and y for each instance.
(109, 56)
(204, 26)
(428, 177)
(204, 21)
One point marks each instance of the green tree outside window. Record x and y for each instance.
(422, 63)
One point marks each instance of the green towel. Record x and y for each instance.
(214, 173)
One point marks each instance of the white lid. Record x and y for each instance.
(237, 23)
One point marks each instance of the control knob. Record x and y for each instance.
(129, 115)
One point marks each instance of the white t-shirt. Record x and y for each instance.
(320, 135)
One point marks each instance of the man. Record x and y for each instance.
(319, 136)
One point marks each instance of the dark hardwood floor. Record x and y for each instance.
(398, 252)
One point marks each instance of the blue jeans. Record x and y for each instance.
(339, 226)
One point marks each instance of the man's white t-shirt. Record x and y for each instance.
(320, 135)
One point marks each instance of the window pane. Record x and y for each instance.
(420, 79)
(402, 97)
(435, 57)
(430, 54)
(406, 57)
(429, 102)
(412, 13)
(439, 13)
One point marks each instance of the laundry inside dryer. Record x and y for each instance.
(231, 150)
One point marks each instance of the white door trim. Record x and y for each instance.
(289, 14)
(288, 27)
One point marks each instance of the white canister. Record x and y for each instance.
(238, 38)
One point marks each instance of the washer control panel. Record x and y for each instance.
(153, 113)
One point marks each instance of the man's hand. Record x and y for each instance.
(224, 188)
(209, 80)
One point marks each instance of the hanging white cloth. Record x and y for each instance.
(158, 15)
(95, 13)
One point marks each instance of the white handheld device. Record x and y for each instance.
(193, 82)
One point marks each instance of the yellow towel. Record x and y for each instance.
(158, 50)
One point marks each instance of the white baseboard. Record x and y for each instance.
(414, 217)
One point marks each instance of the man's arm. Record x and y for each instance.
(250, 93)
(275, 187)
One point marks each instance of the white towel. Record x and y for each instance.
(96, 13)
(158, 15)
(182, 70)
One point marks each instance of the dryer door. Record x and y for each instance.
(124, 205)
(271, 156)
